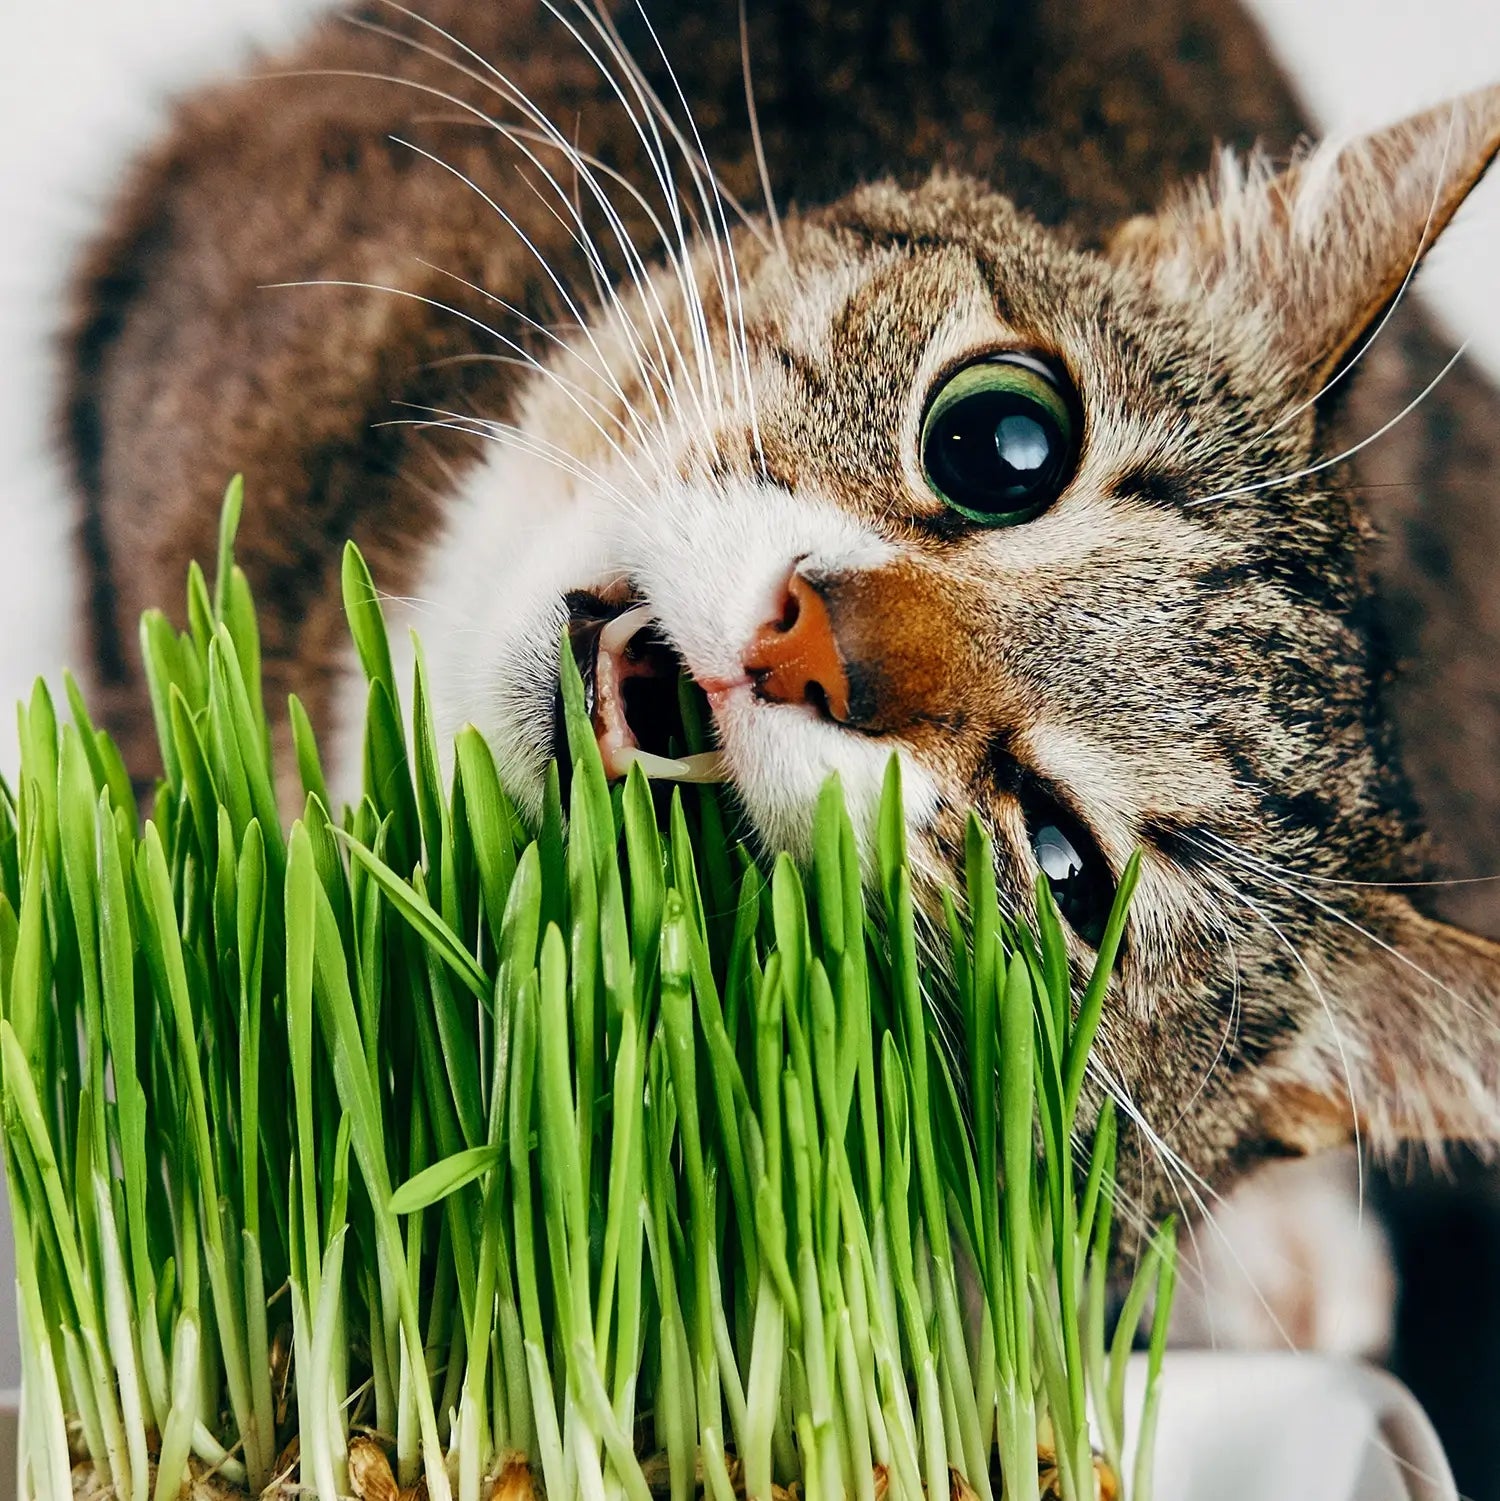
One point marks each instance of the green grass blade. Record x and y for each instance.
(1091, 1007)
(305, 748)
(425, 922)
(229, 525)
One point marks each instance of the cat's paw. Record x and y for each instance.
(1290, 1259)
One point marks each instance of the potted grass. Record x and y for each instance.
(410, 1150)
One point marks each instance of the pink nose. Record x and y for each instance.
(795, 659)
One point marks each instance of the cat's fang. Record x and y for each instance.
(706, 766)
(631, 680)
(618, 633)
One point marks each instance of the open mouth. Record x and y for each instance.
(632, 686)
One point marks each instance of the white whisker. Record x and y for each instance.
(1333, 1025)
(577, 388)
(517, 438)
(738, 346)
(467, 318)
(1307, 876)
(656, 153)
(761, 165)
(1202, 1195)
(546, 133)
(1231, 1028)
(557, 282)
(1250, 865)
(1348, 453)
(1411, 271)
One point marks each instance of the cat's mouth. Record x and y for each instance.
(632, 685)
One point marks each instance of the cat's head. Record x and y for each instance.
(1062, 530)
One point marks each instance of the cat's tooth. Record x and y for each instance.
(658, 768)
(615, 636)
(706, 766)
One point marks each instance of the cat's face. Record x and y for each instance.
(1039, 522)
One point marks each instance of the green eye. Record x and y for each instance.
(999, 440)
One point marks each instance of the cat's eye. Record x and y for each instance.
(999, 440)
(1075, 868)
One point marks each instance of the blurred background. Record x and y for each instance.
(84, 85)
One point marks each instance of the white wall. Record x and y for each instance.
(81, 86)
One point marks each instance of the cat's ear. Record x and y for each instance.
(1294, 267)
(1404, 1044)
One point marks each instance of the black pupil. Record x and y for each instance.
(996, 452)
(1079, 879)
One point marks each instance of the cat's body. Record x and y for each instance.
(1177, 654)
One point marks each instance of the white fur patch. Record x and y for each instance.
(712, 562)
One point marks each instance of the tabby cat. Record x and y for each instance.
(1006, 445)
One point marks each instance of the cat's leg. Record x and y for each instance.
(1297, 1257)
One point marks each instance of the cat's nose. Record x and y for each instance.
(893, 649)
(794, 658)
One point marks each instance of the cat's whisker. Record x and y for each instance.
(762, 167)
(1113, 1083)
(582, 392)
(487, 426)
(1197, 1210)
(568, 300)
(374, 27)
(526, 442)
(1103, 1069)
(654, 372)
(1422, 243)
(607, 297)
(741, 345)
(1229, 848)
(646, 129)
(550, 134)
(1198, 1213)
(1248, 863)
(1231, 1029)
(522, 353)
(643, 282)
(498, 84)
(718, 237)
(678, 253)
(510, 439)
(600, 17)
(516, 438)
(413, 602)
(603, 169)
(566, 388)
(1348, 453)
(1334, 1028)
(655, 377)
(1194, 1270)
(575, 391)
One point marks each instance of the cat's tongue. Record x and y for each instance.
(631, 679)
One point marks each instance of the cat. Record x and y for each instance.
(1007, 445)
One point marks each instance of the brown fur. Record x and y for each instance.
(1200, 647)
